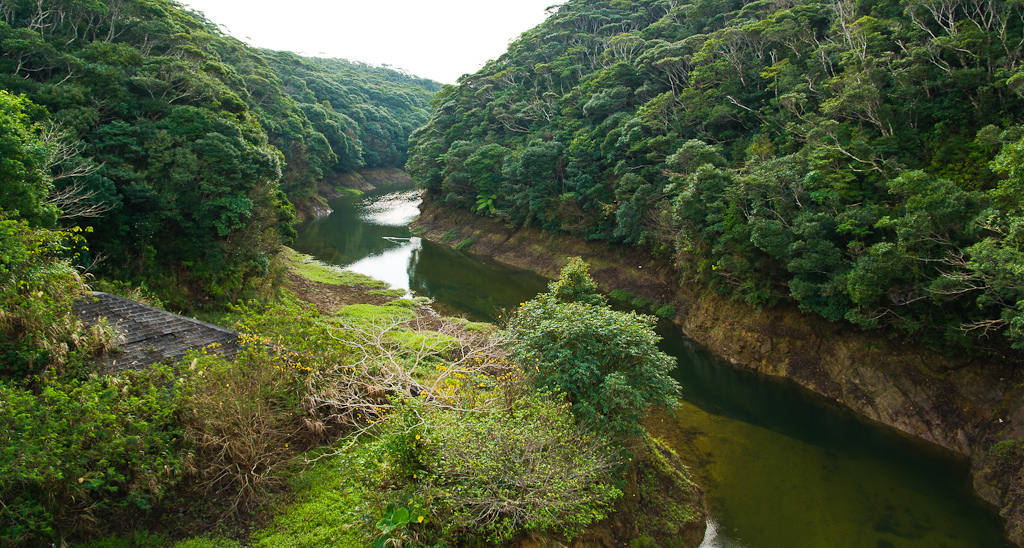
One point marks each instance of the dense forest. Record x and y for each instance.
(179, 147)
(861, 159)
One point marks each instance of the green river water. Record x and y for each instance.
(783, 468)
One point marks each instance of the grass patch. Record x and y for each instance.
(480, 327)
(136, 539)
(333, 499)
(314, 270)
(348, 191)
(404, 303)
(450, 235)
(368, 314)
(395, 293)
(465, 244)
(429, 341)
(208, 542)
(475, 327)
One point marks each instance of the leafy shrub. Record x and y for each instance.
(396, 518)
(528, 468)
(606, 362)
(79, 450)
(666, 311)
(404, 443)
(622, 295)
(576, 285)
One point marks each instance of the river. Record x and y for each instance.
(783, 467)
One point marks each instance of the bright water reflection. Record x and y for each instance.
(783, 468)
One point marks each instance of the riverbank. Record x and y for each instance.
(660, 504)
(965, 406)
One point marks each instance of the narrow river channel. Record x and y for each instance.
(782, 467)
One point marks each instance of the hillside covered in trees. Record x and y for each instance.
(181, 147)
(862, 159)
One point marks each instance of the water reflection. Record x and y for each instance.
(477, 287)
(390, 265)
(783, 467)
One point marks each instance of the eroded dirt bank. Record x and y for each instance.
(965, 406)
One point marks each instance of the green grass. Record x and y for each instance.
(369, 314)
(208, 542)
(450, 235)
(388, 292)
(465, 244)
(331, 500)
(430, 341)
(136, 539)
(314, 270)
(404, 303)
(479, 327)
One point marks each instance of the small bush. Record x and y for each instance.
(666, 311)
(622, 296)
(38, 333)
(606, 362)
(404, 443)
(576, 285)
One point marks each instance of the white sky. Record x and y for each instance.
(437, 39)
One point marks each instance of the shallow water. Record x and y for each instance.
(783, 467)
